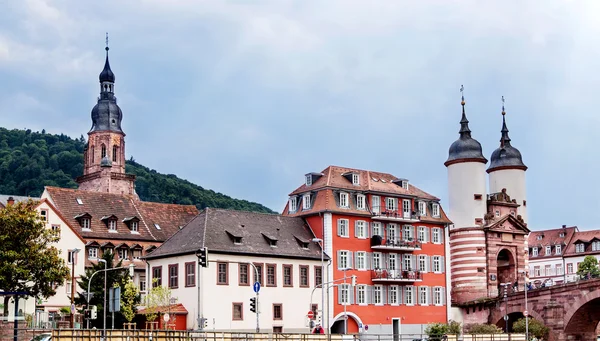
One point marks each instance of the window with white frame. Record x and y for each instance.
(436, 235)
(344, 294)
(85, 223)
(360, 201)
(361, 294)
(407, 232)
(361, 260)
(422, 236)
(355, 179)
(407, 262)
(548, 270)
(580, 247)
(435, 208)
(308, 180)
(548, 250)
(534, 252)
(361, 229)
(123, 253)
(306, 202)
(391, 232)
(422, 208)
(570, 268)
(437, 264)
(376, 260)
(559, 269)
(437, 296)
(393, 295)
(392, 261)
(376, 205)
(536, 271)
(540, 237)
(409, 298)
(423, 299)
(406, 208)
(391, 204)
(422, 263)
(112, 225)
(595, 245)
(377, 294)
(343, 261)
(343, 227)
(558, 249)
(377, 229)
(93, 253)
(134, 226)
(70, 256)
(293, 204)
(68, 286)
(344, 199)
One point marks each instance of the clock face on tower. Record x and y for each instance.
(116, 140)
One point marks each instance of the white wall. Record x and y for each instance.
(466, 179)
(574, 260)
(514, 182)
(217, 300)
(541, 263)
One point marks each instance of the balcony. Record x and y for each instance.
(378, 243)
(387, 276)
(384, 213)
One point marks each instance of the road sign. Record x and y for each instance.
(256, 287)
(366, 327)
(310, 314)
(505, 317)
(166, 317)
(525, 313)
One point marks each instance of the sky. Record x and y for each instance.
(245, 97)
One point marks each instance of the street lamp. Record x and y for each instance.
(505, 285)
(320, 242)
(73, 262)
(526, 310)
(345, 301)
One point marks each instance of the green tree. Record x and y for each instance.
(588, 266)
(454, 327)
(29, 261)
(536, 328)
(436, 331)
(114, 278)
(130, 299)
(483, 328)
(157, 300)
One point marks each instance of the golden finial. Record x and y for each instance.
(503, 112)
(462, 89)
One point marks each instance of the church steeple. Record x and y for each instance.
(107, 75)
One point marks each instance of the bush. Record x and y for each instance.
(482, 328)
(536, 328)
(435, 331)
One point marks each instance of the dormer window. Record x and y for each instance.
(293, 204)
(133, 224)
(270, 239)
(435, 210)
(596, 245)
(360, 201)
(558, 249)
(548, 250)
(235, 238)
(344, 199)
(355, 179)
(84, 220)
(579, 247)
(422, 210)
(111, 223)
(306, 201)
(401, 182)
(308, 180)
(561, 235)
(302, 243)
(540, 237)
(79, 201)
(534, 252)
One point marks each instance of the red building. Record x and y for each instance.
(387, 233)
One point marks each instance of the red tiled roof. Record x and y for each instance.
(168, 217)
(173, 309)
(583, 236)
(550, 238)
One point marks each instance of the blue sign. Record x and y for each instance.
(256, 287)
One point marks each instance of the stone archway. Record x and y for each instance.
(582, 320)
(506, 268)
(337, 327)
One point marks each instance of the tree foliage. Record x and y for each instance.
(483, 328)
(589, 266)
(31, 160)
(158, 297)
(29, 260)
(130, 298)
(536, 328)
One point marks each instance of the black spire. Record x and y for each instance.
(107, 75)
(106, 114)
(506, 156)
(504, 140)
(464, 131)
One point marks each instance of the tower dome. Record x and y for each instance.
(506, 156)
(107, 75)
(466, 148)
(106, 114)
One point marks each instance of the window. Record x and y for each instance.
(406, 208)
(393, 294)
(561, 235)
(558, 249)
(376, 260)
(156, 276)
(404, 184)
(306, 202)
(407, 262)
(271, 275)
(536, 271)
(343, 199)
(277, 329)
(137, 254)
(114, 154)
(540, 237)
(422, 263)
(134, 226)
(422, 210)
(343, 259)
(361, 294)
(407, 233)
(103, 151)
(44, 215)
(409, 295)
(222, 273)
(391, 204)
(422, 237)
(423, 299)
(377, 229)
(158, 226)
(190, 274)
(287, 276)
(360, 201)
(570, 268)
(435, 235)
(173, 275)
(112, 225)
(304, 276)
(308, 180)
(243, 274)
(435, 210)
(79, 201)
(56, 229)
(376, 204)
(123, 253)
(318, 275)
(68, 287)
(293, 204)
(93, 253)
(237, 313)
(595, 245)
(343, 228)
(142, 283)
(437, 296)
(437, 264)
(579, 247)
(548, 250)
(277, 311)
(534, 252)
(355, 179)
(498, 214)
(548, 270)
(85, 223)
(559, 269)
(259, 269)
(392, 261)
(391, 232)
(360, 229)
(70, 259)
(361, 260)
(344, 294)
(377, 294)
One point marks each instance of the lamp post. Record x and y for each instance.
(505, 285)
(73, 262)
(346, 302)
(320, 242)
(526, 310)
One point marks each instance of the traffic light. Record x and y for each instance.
(94, 312)
(253, 304)
(205, 323)
(87, 314)
(319, 319)
(202, 255)
(353, 280)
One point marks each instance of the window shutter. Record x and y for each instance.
(350, 294)
(431, 293)
(368, 261)
(356, 258)
(339, 227)
(443, 264)
(443, 295)
(367, 230)
(427, 264)
(400, 295)
(442, 235)
(431, 234)
(339, 294)
(413, 261)
(350, 260)
(384, 295)
(356, 228)
(412, 232)
(426, 235)
(339, 258)
(431, 263)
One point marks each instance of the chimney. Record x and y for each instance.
(564, 226)
(10, 201)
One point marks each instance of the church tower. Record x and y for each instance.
(104, 154)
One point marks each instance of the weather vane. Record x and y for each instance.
(462, 94)
(106, 41)
(503, 113)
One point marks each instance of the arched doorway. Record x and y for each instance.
(584, 322)
(338, 326)
(512, 318)
(506, 267)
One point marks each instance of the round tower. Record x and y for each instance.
(467, 207)
(507, 170)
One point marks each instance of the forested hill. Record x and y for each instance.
(31, 160)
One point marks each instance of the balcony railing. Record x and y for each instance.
(377, 242)
(385, 213)
(385, 275)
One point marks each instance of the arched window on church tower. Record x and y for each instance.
(92, 156)
(103, 151)
(114, 154)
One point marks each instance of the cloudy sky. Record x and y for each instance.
(244, 97)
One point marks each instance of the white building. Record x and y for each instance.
(546, 255)
(288, 263)
(584, 243)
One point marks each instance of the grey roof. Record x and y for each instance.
(17, 198)
(506, 156)
(212, 229)
(465, 148)
(106, 114)
(107, 75)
